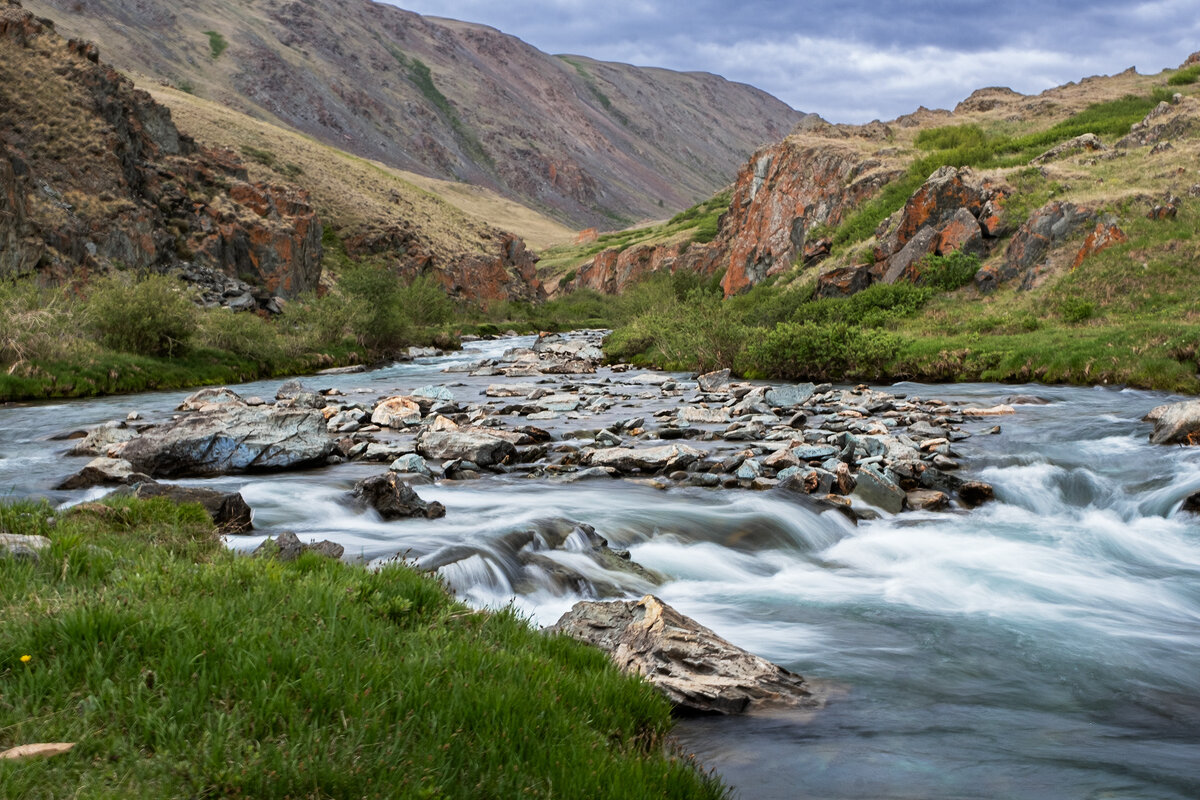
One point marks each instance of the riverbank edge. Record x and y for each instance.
(170, 681)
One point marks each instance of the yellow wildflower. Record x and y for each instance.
(26, 659)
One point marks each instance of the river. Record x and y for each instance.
(1046, 645)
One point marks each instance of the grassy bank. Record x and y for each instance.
(183, 670)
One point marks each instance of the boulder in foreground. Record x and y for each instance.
(697, 670)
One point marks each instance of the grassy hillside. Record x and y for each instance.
(351, 192)
(1126, 315)
(310, 679)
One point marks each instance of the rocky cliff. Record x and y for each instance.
(95, 175)
(590, 142)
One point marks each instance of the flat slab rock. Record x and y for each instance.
(232, 439)
(696, 669)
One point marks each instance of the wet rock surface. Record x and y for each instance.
(696, 669)
(548, 412)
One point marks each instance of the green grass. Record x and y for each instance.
(183, 670)
(1185, 77)
(216, 43)
(696, 224)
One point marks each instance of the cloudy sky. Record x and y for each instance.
(856, 60)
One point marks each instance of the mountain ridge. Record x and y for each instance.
(588, 142)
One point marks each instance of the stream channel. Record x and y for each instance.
(1045, 645)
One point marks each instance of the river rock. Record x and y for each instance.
(228, 510)
(927, 500)
(210, 398)
(789, 396)
(646, 459)
(1176, 423)
(288, 547)
(476, 446)
(22, 548)
(397, 412)
(711, 382)
(394, 499)
(698, 415)
(975, 493)
(877, 489)
(103, 471)
(233, 439)
(105, 440)
(697, 670)
(411, 463)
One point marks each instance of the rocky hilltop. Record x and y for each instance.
(94, 174)
(1029, 204)
(589, 142)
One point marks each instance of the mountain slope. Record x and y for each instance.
(589, 142)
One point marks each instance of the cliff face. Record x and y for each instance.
(781, 195)
(94, 175)
(589, 142)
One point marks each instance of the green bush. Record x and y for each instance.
(822, 351)
(375, 312)
(1185, 76)
(1074, 309)
(149, 316)
(949, 272)
(425, 303)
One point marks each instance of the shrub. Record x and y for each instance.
(1074, 309)
(150, 316)
(425, 303)
(375, 312)
(822, 351)
(949, 272)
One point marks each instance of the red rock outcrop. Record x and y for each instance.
(953, 210)
(785, 191)
(1103, 236)
(1029, 246)
(94, 175)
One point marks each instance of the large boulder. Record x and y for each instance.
(394, 499)
(1176, 423)
(228, 510)
(1045, 228)
(397, 412)
(233, 439)
(696, 669)
(475, 446)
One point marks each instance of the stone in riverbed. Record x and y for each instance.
(927, 500)
(411, 463)
(397, 412)
(471, 445)
(649, 459)
(711, 382)
(789, 396)
(104, 440)
(103, 471)
(1175, 423)
(233, 439)
(394, 499)
(875, 488)
(695, 669)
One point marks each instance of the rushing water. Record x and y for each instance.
(1046, 645)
